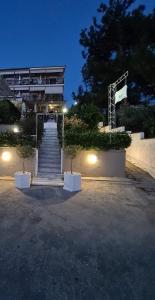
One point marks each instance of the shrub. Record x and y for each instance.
(28, 126)
(72, 151)
(9, 113)
(25, 151)
(13, 139)
(98, 140)
(88, 113)
(74, 123)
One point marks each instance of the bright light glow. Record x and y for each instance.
(75, 102)
(92, 159)
(65, 110)
(6, 156)
(15, 129)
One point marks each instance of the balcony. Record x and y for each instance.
(34, 81)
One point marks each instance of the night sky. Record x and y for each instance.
(46, 32)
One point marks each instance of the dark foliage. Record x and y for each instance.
(9, 113)
(137, 119)
(119, 39)
(88, 113)
(28, 126)
(93, 139)
(13, 139)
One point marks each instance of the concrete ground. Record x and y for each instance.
(98, 244)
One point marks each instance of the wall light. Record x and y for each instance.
(15, 129)
(65, 110)
(6, 156)
(92, 159)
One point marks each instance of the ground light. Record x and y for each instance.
(92, 159)
(6, 156)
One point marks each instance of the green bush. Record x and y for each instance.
(9, 113)
(25, 151)
(28, 126)
(75, 124)
(88, 113)
(97, 140)
(11, 139)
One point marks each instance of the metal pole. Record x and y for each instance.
(36, 128)
(111, 99)
(63, 130)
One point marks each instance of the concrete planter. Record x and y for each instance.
(22, 180)
(72, 182)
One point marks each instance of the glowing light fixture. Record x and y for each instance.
(92, 159)
(6, 156)
(15, 129)
(75, 102)
(65, 110)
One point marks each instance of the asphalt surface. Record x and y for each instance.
(98, 244)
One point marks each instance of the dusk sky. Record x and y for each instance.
(46, 32)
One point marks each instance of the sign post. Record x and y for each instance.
(112, 91)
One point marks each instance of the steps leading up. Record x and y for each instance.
(49, 158)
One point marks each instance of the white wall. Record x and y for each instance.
(109, 129)
(142, 153)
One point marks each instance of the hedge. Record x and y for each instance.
(97, 140)
(11, 139)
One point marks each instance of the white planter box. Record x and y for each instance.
(72, 182)
(22, 180)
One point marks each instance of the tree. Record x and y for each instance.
(72, 151)
(9, 113)
(119, 39)
(24, 152)
(89, 114)
(137, 119)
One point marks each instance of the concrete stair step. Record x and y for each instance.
(50, 176)
(49, 160)
(46, 164)
(50, 152)
(49, 170)
(49, 147)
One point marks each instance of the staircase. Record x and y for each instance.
(49, 159)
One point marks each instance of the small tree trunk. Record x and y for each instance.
(23, 166)
(71, 166)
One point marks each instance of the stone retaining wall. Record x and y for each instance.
(109, 163)
(14, 164)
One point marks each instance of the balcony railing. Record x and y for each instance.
(35, 81)
(42, 98)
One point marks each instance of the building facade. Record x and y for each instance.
(39, 89)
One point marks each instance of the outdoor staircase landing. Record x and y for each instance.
(49, 159)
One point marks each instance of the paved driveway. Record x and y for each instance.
(95, 244)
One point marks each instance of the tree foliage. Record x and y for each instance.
(119, 39)
(137, 119)
(9, 113)
(88, 114)
(97, 140)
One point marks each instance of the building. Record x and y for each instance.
(40, 89)
(5, 92)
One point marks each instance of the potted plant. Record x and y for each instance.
(72, 180)
(23, 178)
